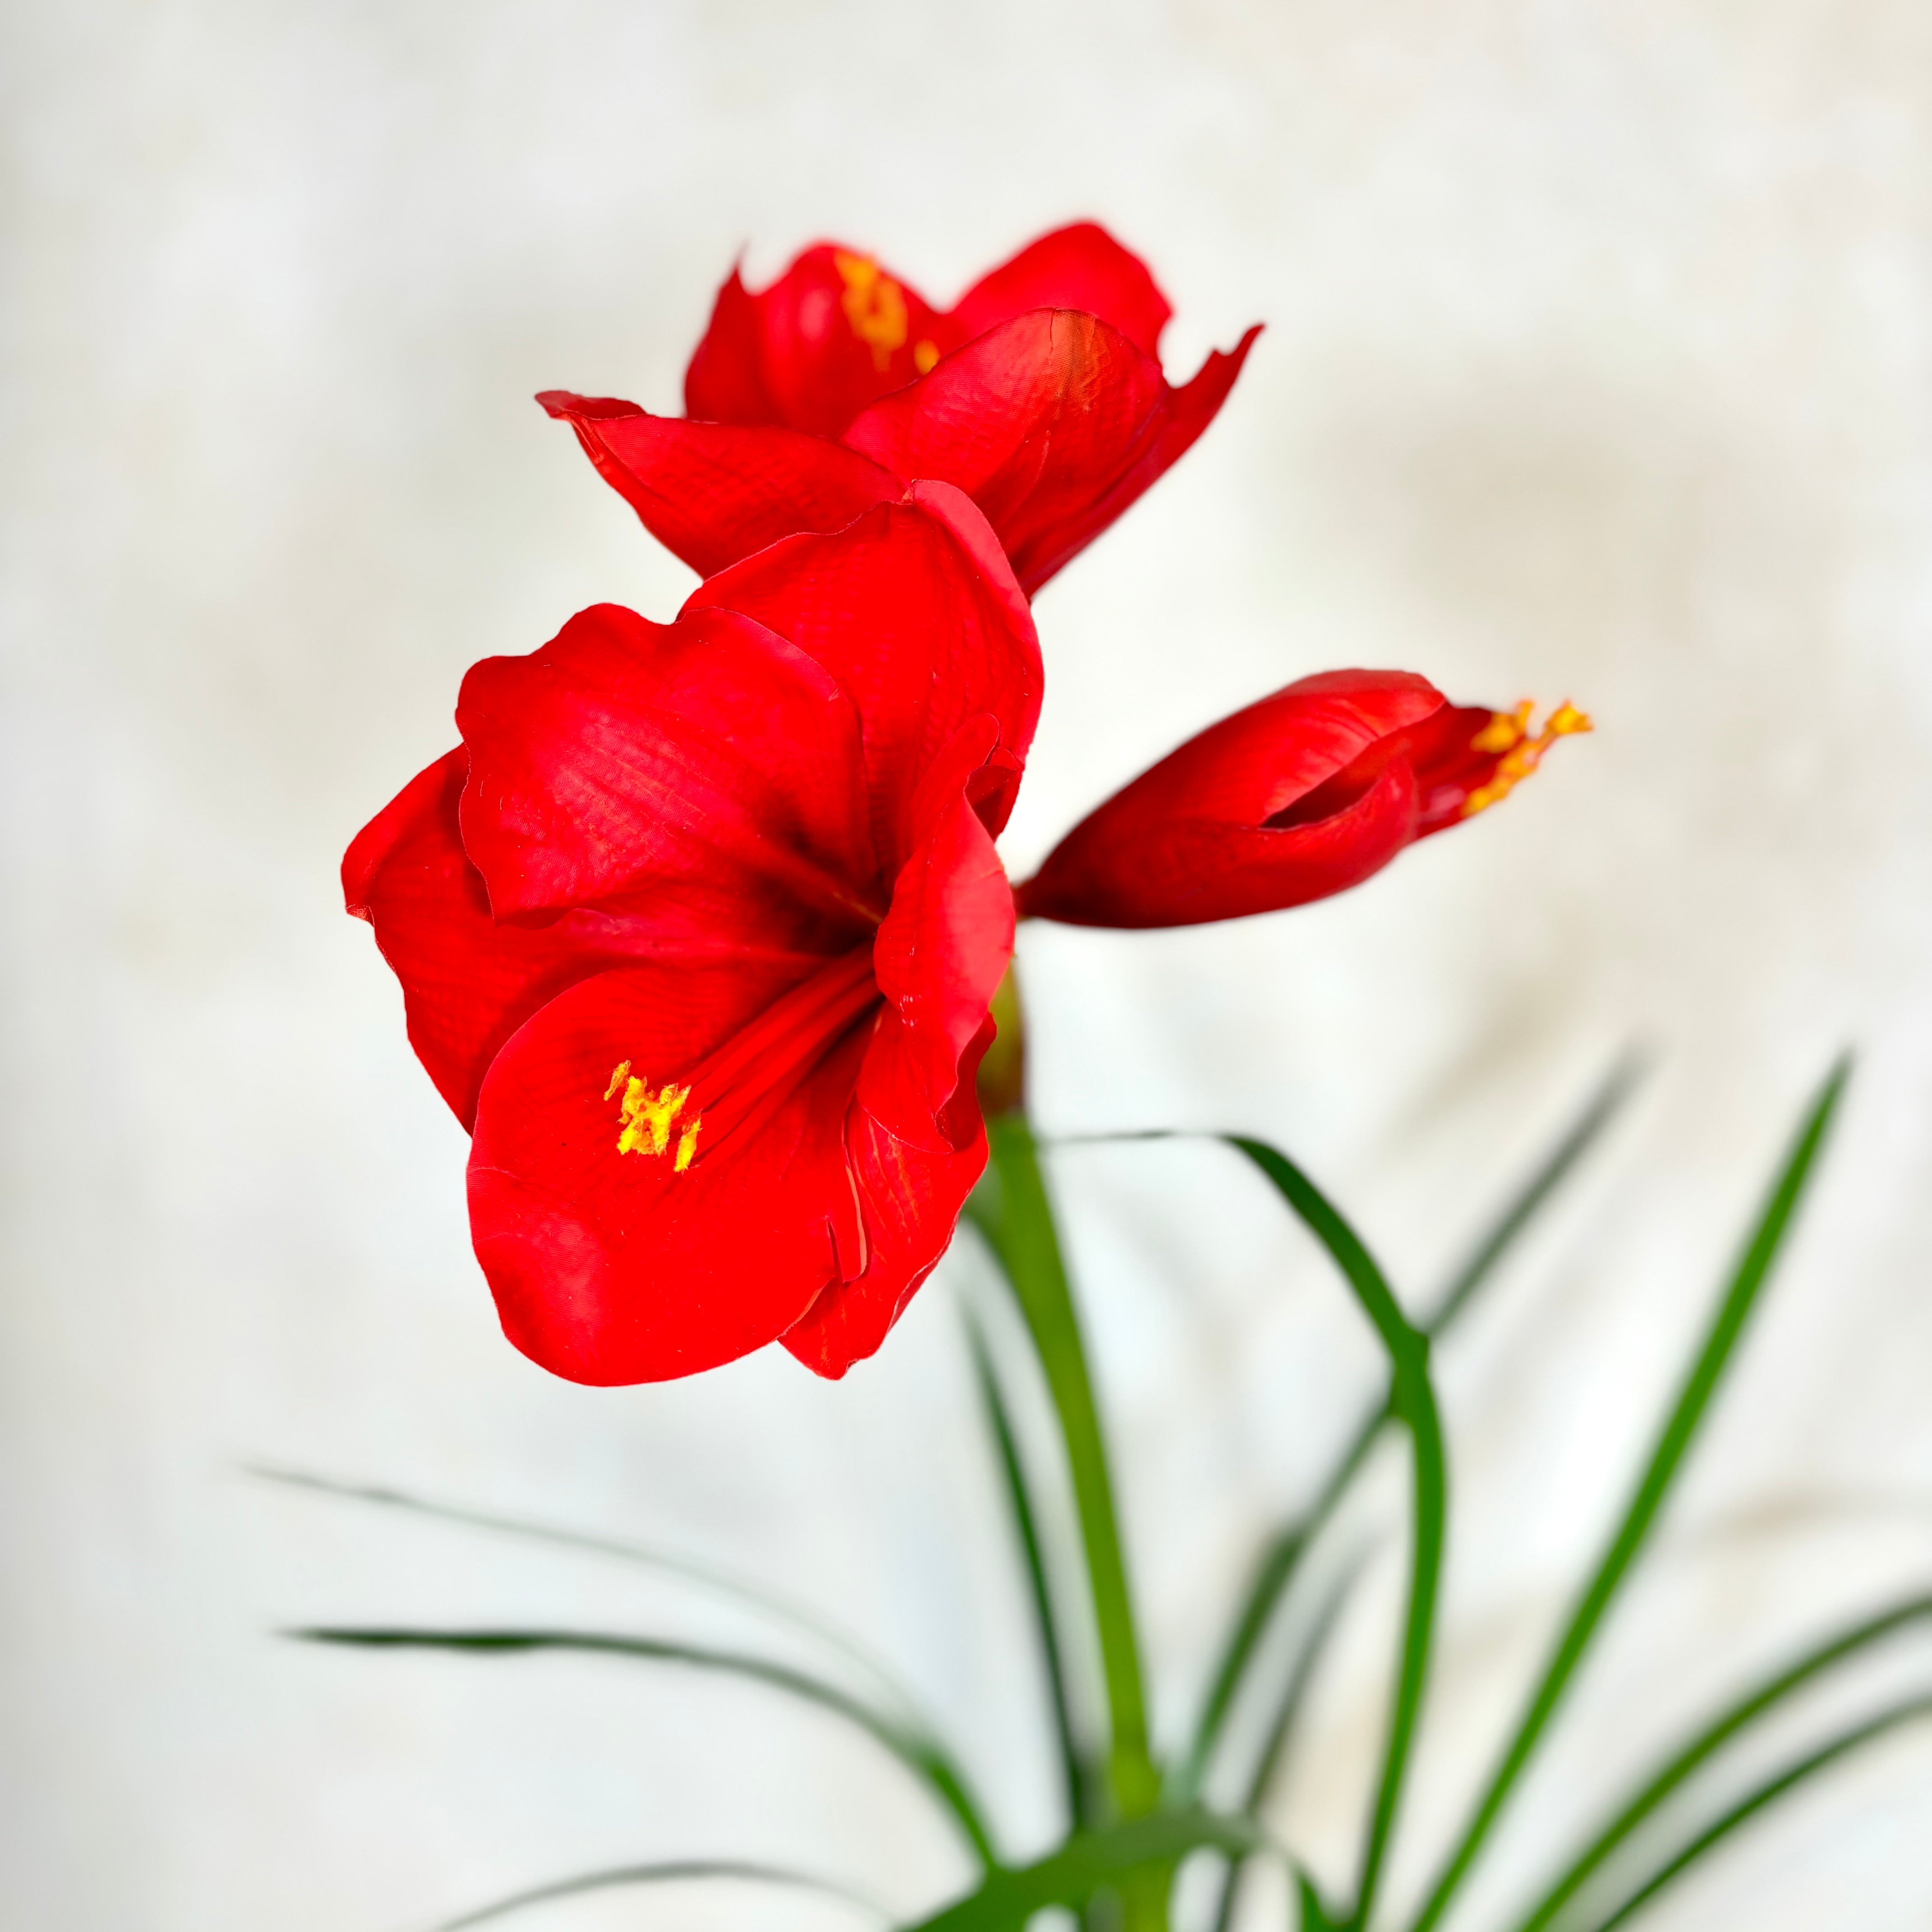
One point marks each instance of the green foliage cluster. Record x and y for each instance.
(1131, 1819)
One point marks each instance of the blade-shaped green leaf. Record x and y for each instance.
(1755, 1801)
(1412, 1397)
(671, 1872)
(1287, 1708)
(1556, 1167)
(1281, 1559)
(752, 1596)
(920, 1752)
(1766, 1698)
(1020, 1226)
(1089, 1861)
(1720, 1340)
(1026, 1525)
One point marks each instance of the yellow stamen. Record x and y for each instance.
(924, 355)
(646, 1117)
(875, 306)
(1508, 732)
(1505, 731)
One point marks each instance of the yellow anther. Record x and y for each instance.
(1505, 731)
(646, 1117)
(924, 355)
(1508, 732)
(875, 306)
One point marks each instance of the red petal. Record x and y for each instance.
(468, 983)
(1448, 767)
(703, 778)
(938, 958)
(833, 333)
(614, 1265)
(1080, 267)
(914, 611)
(726, 380)
(712, 493)
(911, 1197)
(1238, 820)
(1053, 423)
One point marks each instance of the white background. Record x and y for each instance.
(1597, 366)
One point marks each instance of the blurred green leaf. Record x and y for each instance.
(1766, 1698)
(1281, 1558)
(1315, 1916)
(1287, 1707)
(918, 1750)
(752, 1596)
(1072, 1768)
(1754, 1801)
(672, 1872)
(1720, 1341)
(1089, 1861)
(1583, 1134)
(1017, 1218)
(1412, 1399)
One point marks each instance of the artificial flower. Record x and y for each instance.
(1040, 394)
(698, 929)
(1303, 794)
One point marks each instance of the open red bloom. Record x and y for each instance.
(1302, 795)
(697, 930)
(1040, 394)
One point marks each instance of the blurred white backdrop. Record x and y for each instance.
(1599, 363)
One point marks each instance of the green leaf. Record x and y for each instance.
(1072, 1767)
(1766, 1698)
(1412, 1398)
(918, 1751)
(1773, 1788)
(1286, 1710)
(806, 1623)
(1583, 1133)
(1281, 1558)
(674, 1872)
(1022, 1233)
(1314, 1916)
(1089, 1861)
(1720, 1340)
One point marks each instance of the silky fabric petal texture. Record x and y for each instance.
(704, 777)
(680, 1160)
(836, 331)
(939, 954)
(1081, 266)
(833, 333)
(711, 493)
(1283, 802)
(913, 610)
(1054, 423)
(468, 983)
(810, 1171)
(611, 1266)
(909, 1198)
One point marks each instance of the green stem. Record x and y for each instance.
(1029, 1247)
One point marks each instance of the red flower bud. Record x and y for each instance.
(1302, 795)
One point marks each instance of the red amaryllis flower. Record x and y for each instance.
(1040, 394)
(697, 930)
(1299, 795)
